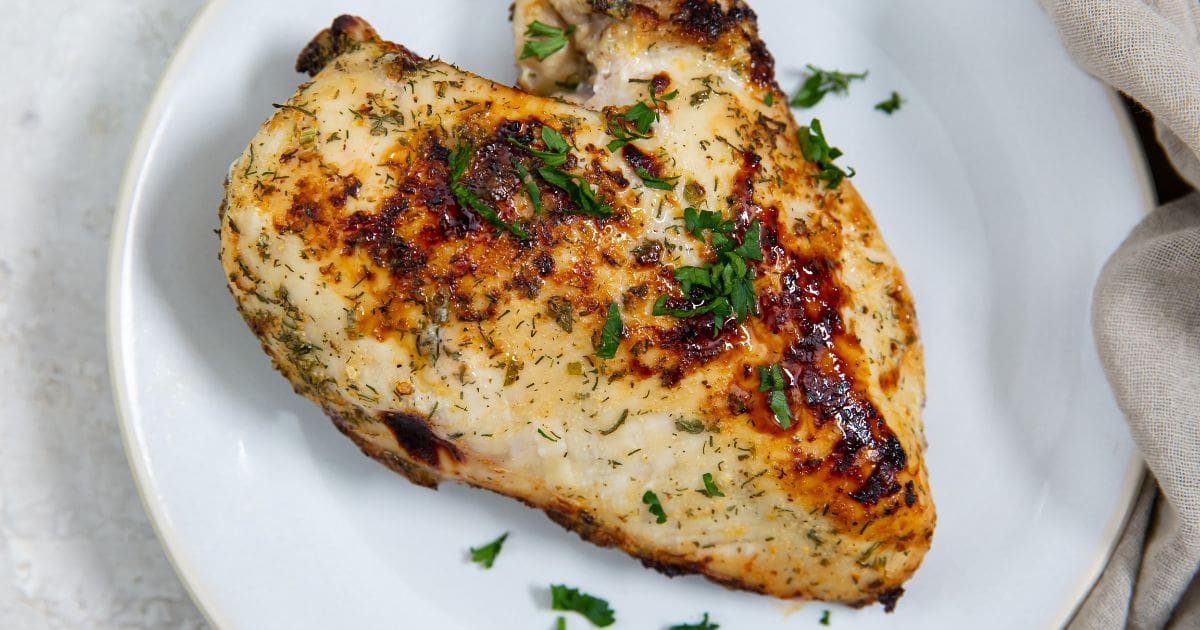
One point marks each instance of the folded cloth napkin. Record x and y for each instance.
(1146, 312)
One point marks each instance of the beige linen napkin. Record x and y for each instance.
(1146, 312)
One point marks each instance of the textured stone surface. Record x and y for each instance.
(76, 549)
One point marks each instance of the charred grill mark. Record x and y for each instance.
(706, 21)
(414, 436)
(660, 83)
(640, 160)
(492, 177)
(346, 32)
(807, 307)
(476, 268)
(762, 64)
(521, 131)
(425, 184)
(380, 237)
(882, 482)
(303, 212)
(691, 343)
(528, 284)
(890, 598)
(544, 264)
(648, 253)
(607, 182)
(415, 473)
(351, 185)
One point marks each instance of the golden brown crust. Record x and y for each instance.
(355, 204)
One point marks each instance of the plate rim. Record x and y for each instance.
(130, 429)
(131, 180)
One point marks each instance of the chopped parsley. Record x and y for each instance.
(543, 40)
(635, 123)
(570, 599)
(769, 99)
(610, 336)
(751, 248)
(711, 488)
(578, 190)
(535, 195)
(486, 555)
(556, 147)
(771, 382)
(658, 183)
(692, 426)
(723, 287)
(824, 621)
(560, 623)
(656, 507)
(696, 221)
(816, 148)
(821, 82)
(704, 624)
(459, 159)
(892, 104)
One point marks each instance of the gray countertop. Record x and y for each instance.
(76, 549)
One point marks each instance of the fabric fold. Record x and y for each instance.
(1146, 311)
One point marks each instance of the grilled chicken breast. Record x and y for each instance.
(633, 304)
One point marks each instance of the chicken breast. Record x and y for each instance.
(636, 306)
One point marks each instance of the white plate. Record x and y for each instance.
(1002, 185)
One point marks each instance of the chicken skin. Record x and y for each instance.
(633, 294)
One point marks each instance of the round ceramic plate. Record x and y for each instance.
(1002, 185)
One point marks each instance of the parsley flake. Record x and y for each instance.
(771, 381)
(578, 190)
(890, 105)
(750, 249)
(821, 82)
(657, 183)
(635, 123)
(704, 624)
(610, 336)
(710, 488)
(596, 610)
(459, 159)
(656, 507)
(824, 621)
(535, 195)
(697, 221)
(486, 555)
(556, 147)
(543, 40)
(816, 149)
(723, 287)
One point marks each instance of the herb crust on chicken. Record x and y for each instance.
(622, 295)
